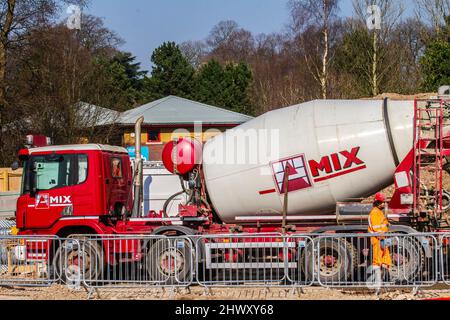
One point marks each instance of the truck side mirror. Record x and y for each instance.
(15, 166)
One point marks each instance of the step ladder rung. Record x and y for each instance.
(430, 118)
(430, 152)
(428, 139)
(427, 125)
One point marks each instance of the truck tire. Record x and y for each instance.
(169, 262)
(70, 263)
(354, 258)
(408, 260)
(334, 264)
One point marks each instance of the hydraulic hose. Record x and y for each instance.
(166, 204)
(189, 193)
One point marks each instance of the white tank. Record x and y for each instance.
(336, 150)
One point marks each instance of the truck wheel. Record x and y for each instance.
(334, 264)
(354, 258)
(74, 260)
(169, 262)
(407, 260)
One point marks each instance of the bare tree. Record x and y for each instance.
(7, 18)
(17, 18)
(194, 51)
(409, 45)
(97, 38)
(221, 32)
(388, 12)
(315, 15)
(229, 43)
(60, 72)
(434, 12)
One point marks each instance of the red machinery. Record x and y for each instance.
(88, 189)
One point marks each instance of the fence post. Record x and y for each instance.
(5, 182)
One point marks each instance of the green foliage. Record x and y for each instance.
(126, 79)
(237, 81)
(353, 57)
(172, 73)
(435, 62)
(227, 87)
(436, 65)
(209, 83)
(131, 68)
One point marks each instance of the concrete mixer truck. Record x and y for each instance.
(298, 170)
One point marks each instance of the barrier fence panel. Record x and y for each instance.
(28, 261)
(362, 260)
(245, 260)
(445, 258)
(135, 261)
(251, 260)
(183, 256)
(304, 273)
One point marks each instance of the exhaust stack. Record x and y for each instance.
(138, 173)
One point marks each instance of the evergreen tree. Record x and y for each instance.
(227, 87)
(132, 68)
(124, 81)
(209, 84)
(435, 63)
(172, 73)
(236, 88)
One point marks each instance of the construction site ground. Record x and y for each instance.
(60, 292)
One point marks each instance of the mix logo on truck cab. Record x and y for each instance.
(45, 201)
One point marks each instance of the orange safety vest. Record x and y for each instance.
(378, 223)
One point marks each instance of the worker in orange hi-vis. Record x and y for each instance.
(379, 224)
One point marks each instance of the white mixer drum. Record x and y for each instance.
(335, 150)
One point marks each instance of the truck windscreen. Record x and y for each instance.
(49, 172)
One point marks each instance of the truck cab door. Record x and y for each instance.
(117, 178)
(51, 195)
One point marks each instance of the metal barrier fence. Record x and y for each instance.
(371, 261)
(445, 259)
(254, 260)
(135, 261)
(29, 261)
(246, 260)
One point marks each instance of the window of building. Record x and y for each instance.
(154, 136)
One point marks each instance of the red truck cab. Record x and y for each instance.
(69, 183)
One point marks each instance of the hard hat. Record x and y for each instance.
(380, 197)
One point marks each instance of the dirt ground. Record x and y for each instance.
(59, 292)
(401, 97)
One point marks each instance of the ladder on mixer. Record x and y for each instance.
(429, 158)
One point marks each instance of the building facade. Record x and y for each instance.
(173, 117)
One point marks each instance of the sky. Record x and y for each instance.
(146, 24)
